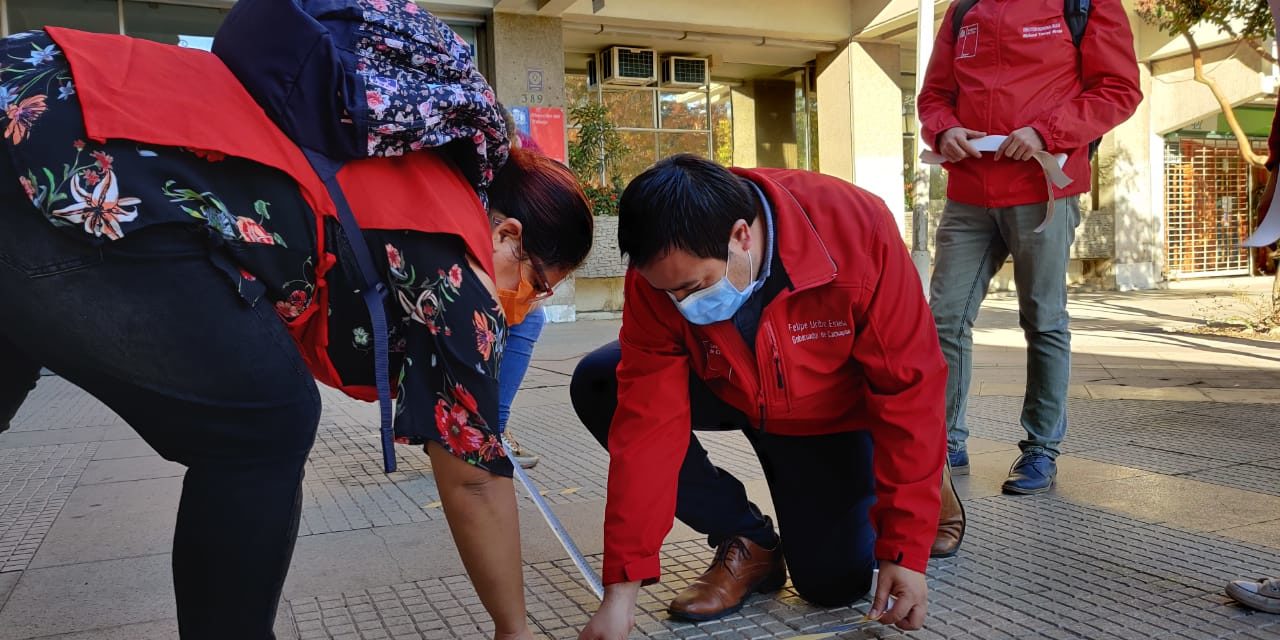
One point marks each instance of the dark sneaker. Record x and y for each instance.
(959, 462)
(1032, 473)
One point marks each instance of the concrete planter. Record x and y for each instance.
(605, 261)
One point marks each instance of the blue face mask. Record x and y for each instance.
(719, 301)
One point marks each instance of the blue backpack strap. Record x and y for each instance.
(374, 294)
(1076, 13)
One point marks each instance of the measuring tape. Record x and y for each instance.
(831, 632)
(589, 575)
(865, 622)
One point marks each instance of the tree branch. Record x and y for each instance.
(1263, 52)
(1242, 140)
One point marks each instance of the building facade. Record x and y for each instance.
(825, 85)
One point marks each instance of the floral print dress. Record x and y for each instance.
(446, 332)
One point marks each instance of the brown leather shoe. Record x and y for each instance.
(950, 520)
(740, 569)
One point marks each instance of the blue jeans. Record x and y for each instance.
(973, 244)
(515, 361)
(152, 328)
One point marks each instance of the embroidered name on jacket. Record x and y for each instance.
(1043, 30)
(818, 330)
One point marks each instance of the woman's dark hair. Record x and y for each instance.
(545, 197)
(683, 202)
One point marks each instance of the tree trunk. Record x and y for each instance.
(1197, 63)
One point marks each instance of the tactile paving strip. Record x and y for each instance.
(35, 483)
(1035, 567)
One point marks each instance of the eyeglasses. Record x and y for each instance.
(542, 288)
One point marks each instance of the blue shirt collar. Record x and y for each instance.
(768, 225)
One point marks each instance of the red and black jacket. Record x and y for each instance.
(849, 346)
(1015, 65)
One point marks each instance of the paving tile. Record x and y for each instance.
(85, 597)
(112, 521)
(57, 405)
(157, 630)
(1179, 501)
(1010, 581)
(35, 483)
(135, 448)
(1261, 477)
(129, 469)
(1264, 533)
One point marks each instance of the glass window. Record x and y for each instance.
(813, 133)
(171, 23)
(671, 143)
(686, 110)
(86, 15)
(722, 123)
(631, 108)
(643, 151)
(576, 89)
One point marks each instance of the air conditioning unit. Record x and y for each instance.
(627, 66)
(679, 72)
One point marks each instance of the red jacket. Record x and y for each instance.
(851, 347)
(139, 90)
(1015, 66)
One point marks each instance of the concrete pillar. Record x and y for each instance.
(528, 70)
(528, 55)
(860, 120)
(775, 123)
(1130, 175)
(744, 126)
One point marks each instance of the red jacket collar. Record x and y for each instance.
(804, 255)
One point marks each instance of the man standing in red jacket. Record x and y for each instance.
(1015, 69)
(784, 304)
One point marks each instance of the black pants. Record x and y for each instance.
(153, 329)
(822, 487)
(18, 377)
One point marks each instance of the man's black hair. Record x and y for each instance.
(683, 202)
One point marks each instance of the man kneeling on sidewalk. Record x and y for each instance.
(782, 303)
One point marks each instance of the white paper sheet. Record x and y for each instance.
(1269, 231)
(1051, 165)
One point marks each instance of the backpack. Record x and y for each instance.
(1074, 12)
(351, 79)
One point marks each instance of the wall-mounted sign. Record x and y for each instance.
(534, 80)
(546, 127)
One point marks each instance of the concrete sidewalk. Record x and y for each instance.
(1169, 486)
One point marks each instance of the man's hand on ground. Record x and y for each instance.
(616, 616)
(911, 592)
(954, 145)
(1021, 145)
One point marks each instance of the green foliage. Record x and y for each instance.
(1245, 19)
(604, 200)
(595, 155)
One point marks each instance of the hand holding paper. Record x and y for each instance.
(1050, 164)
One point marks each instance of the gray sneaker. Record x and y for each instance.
(1263, 595)
(523, 457)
